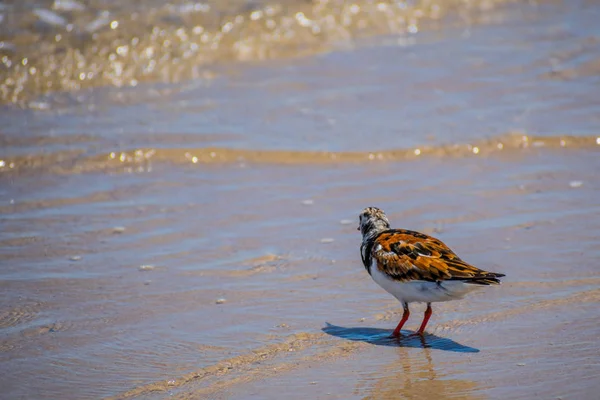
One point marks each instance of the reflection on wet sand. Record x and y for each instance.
(415, 376)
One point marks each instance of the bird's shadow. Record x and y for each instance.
(381, 337)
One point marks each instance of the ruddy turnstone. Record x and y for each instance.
(414, 267)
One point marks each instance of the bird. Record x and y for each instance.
(415, 267)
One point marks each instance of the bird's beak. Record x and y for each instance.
(358, 229)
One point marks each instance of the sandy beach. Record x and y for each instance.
(193, 235)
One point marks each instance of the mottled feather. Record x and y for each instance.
(405, 255)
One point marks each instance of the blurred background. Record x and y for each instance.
(180, 184)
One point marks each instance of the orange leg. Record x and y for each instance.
(402, 321)
(428, 313)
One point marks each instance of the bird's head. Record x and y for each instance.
(372, 220)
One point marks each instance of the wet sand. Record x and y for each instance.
(189, 241)
(297, 308)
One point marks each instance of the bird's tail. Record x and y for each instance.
(486, 278)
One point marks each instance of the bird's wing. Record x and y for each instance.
(405, 255)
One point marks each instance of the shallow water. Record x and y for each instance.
(65, 45)
(198, 239)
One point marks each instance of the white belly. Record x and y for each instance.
(422, 291)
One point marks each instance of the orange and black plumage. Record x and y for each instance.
(415, 267)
